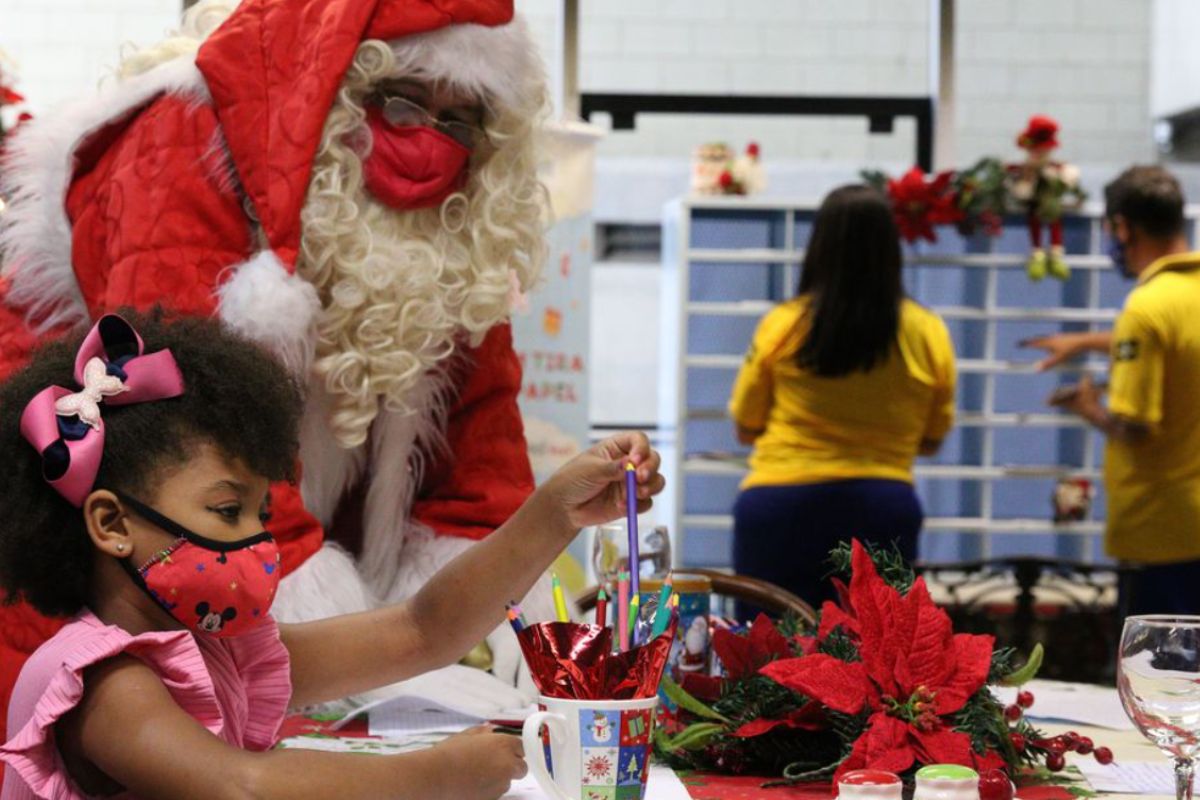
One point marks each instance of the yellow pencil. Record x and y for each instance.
(634, 603)
(560, 600)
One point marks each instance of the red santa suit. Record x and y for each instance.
(184, 186)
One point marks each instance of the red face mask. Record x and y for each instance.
(412, 166)
(217, 588)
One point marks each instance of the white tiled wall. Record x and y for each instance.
(64, 47)
(1084, 61)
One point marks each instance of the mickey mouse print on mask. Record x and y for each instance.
(211, 587)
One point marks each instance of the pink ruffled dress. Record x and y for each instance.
(236, 687)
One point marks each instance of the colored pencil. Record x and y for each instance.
(520, 614)
(662, 614)
(515, 621)
(631, 519)
(623, 610)
(560, 600)
(634, 603)
(602, 608)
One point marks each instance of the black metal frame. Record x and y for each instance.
(881, 112)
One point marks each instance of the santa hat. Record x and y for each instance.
(1040, 134)
(271, 72)
(274, 67)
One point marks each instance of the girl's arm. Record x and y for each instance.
(464, 602)
(128, 727)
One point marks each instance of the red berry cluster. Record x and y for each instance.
(1056, 747)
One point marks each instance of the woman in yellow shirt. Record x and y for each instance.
(843, 386)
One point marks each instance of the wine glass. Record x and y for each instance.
(610, 551)
(1158, 679)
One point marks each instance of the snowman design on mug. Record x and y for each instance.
(601, 729)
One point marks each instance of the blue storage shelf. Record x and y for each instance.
(726, 260)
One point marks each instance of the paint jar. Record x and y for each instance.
(947, 782)
(870, 784)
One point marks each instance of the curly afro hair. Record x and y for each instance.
(236, 397)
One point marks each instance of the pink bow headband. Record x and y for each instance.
(65, 427)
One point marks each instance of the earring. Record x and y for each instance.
(120, 547)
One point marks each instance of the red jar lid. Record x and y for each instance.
(869, 777)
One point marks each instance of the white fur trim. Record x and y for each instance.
(329, 468)
(494, 62)
(400, 445)
(424, 554)
(326, 585)
(35, 235)
(277, 309)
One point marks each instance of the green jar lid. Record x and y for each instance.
(952, 772)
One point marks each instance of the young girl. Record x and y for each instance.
(135, 472)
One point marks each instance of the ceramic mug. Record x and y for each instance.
(590, 749)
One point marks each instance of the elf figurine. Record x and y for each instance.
(1044, 188)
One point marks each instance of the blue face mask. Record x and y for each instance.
(1116, 251)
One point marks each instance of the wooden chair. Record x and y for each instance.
(1074, 609)
(767, 596)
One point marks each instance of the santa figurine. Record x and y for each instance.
(1044, 188)
(1072, 499)
(709, 162)
(694, 657)
(715, 170)
(351, 183)
(747, 171)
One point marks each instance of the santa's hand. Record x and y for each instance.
(590, 488)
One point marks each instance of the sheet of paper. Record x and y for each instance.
(1072, 702)
(466, 691)
(354, 744)
(662, 784)
(407, 716)
(1130, 777)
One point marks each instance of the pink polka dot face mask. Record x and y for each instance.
(208, 586)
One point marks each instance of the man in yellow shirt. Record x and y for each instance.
(1152, 420)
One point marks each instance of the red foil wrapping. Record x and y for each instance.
(576, 662)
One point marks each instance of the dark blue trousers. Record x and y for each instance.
(1165, 589)
(783, 534)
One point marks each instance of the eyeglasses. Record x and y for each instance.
(401, 111)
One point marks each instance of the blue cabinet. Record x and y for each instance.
(988, 493)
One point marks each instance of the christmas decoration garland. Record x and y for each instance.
(976, 199)
(883, 682)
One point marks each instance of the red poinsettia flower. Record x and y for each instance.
(920, 203)
(8, 95)
(914, 672)
(702, 687)
(745, 655)
(809, 717)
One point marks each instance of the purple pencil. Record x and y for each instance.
(631, 516)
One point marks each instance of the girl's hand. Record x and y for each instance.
(590, 488)
(478, 764)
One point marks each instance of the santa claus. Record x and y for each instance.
(353, 184)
